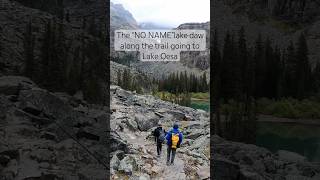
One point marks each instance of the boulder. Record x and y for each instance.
(177, 115)
(290, 156)
(30, 108)
(204, 173)
(131, 124)
(224, 169)
(11, 85)
(116, 143)
(47, 102)
(146, 121)
(4, 159)
(114, 162)
(12, 153)
(195, 134)
(127, 165)
(88, 133)
(49, 136)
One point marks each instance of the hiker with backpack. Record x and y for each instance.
(159, 135)
(174, 139)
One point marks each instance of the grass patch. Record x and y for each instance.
(289, 108)
(201, 95)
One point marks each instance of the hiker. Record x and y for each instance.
(159, 137)
(174, 139)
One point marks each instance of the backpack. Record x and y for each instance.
(162, 136)
(174, 140)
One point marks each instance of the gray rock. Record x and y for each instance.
(290, 156)
(224, 169)
(204, 173)
(117, 143)
(132, 124)
(146, 121)
(88, 133)
(196, 133)
(4, 159)
(114, 162)
(127, 165)
(49, 136)
(11, 85)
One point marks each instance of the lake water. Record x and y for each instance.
(302, 139)
(198, 104)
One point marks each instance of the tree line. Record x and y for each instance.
(62, 66)
(182, 83)
(128, 81)
(265, 70)
(241, 74)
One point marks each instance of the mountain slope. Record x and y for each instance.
(192, 62)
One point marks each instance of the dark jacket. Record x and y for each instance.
(156, 133)
(169, 135)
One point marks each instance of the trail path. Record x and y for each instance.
(159, 167)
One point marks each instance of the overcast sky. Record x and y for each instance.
(168, 12)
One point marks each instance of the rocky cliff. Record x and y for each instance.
(47, 135)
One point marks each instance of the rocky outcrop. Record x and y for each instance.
(48, 135)
(200, 59)
(233, 160)
(121, 18)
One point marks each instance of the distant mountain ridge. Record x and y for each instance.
(192, 62)
(152, 25)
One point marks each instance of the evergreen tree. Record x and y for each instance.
(303, 70)
(119, 79)
(291, 71)
(242, 60)
(215, 63)
(29, 43)
(316, 78)
(46, 55)
(68, 16)
(260, 67)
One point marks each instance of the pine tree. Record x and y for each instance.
(29, 43)
(290, 71)
(45, 55)
(260, 67)
(269, 86)
(316, 78)
(303, 71)
(68, 16)
(119, 79)
(243, 60)
(215, 63)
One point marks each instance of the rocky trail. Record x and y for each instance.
(159, 166)
(134, 118)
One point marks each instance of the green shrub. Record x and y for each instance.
(289, 108)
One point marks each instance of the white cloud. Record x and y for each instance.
(170, 12)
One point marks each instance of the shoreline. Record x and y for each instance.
(270, 118)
